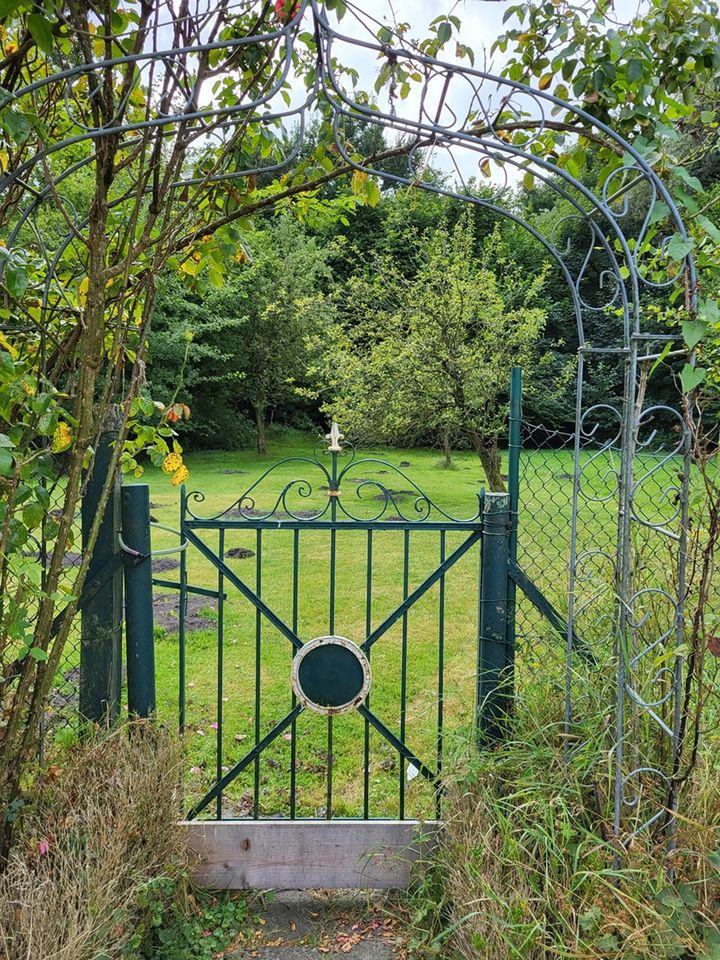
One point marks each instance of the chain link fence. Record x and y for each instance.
(60, 719)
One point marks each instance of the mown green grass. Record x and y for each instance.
(544, 552)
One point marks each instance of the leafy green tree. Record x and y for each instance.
(432, 354)
(249, 352)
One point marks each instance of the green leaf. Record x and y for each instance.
(37, 653)
(385, 36)
(663, 354)
(691, 181)
(679, 247)
(709, 227)
(16, 279)
(6, 462)
(444, 31)
(709, 311)
(41, 30)
(528, 181)
(573, 165)
(607, 942)
(9, 7)
(634, 71)
(16, 124)
(33, 514)
(691, 377)
(660, 210)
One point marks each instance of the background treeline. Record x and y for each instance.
(356, 313)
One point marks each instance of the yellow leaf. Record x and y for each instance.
(357, 184)
(61, 439)
(83, 290)
(6, 345)
(545, 81)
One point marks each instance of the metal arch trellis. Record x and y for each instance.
(462, 111)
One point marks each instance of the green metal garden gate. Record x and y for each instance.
(330, 675)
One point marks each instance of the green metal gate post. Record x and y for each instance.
(139, 633)
(101, 622)
(494, 695)
(514, 451)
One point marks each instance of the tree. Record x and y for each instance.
(432, 354)
(254, 331)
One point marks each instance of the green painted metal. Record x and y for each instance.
(514, 452)
(330, 675)
(368, 631)
(258, 671)
(441, 676)
(493, 677)
(220, 675)
(139, 636)
(101, 621)
(189, 588)
(328, 686)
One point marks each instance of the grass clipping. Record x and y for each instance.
(526, 868)
(101, 827)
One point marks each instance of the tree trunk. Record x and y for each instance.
(487, 450)
(447, 452)
(260, 428)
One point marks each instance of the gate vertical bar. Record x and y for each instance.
(334, 449)
(182, 610)
(441, 679)
(101, 623)
(293, 698)
(139, 634)
(493, 693)
(220, 676)
(403, 668)
(368, 628)
(258, 671)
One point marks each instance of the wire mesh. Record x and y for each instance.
(544, 525)
(60, 718)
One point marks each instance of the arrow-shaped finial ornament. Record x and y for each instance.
(334, 438)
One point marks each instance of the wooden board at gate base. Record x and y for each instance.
(306, 854)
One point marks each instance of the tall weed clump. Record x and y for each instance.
(527, 867)
(101, 829)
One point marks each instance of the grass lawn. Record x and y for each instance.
(222, 478)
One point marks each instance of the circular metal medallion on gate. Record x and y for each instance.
(331, 675)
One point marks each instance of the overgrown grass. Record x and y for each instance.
(527, 869)
(99, 869)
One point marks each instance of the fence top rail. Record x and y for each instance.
(222, 523)
(341, 490)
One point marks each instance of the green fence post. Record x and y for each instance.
(514, 451)
(139, 633)
(494, 695)
(101, 621)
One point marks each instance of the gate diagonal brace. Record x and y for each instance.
(244, 589)
(246, 761)
(553, 616)
(396, 742)
(422, 589)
